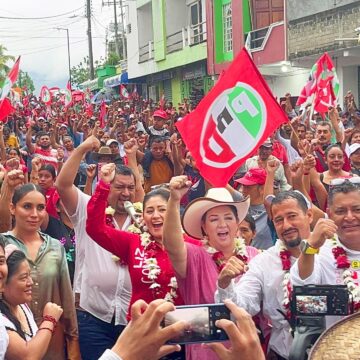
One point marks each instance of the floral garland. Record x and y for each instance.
(218, 256)
(153, 270)
(150, 266)
(349, 277)
(285, 256)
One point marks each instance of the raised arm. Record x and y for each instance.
(2, 145)
(65, 181)
(115, 241)
(334, 118)
(172, 233)
(131, 148)
(36, 347)
(28, 139)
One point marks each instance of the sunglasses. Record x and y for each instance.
(353, 180)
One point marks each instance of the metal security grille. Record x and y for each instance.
(167, 90)
(227, 27)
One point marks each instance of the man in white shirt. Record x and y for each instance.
(102, 286)
(263, 287)
(337, 242)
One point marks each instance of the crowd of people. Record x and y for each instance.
(107, 225)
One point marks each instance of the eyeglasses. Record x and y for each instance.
(353, 180)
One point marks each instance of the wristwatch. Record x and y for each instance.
(305, 248)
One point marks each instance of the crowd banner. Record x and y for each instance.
(45, 95)
(232, 121)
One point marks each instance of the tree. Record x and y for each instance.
(112, 59)
(4, 59)
(25, 82)
(81, 72)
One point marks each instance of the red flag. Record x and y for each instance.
(162, 101)
(102, 114)
(135, 94)
(5, 109)
(231, 122)
(123, 91)
(10, 79)
(89, 109)
(45, 95)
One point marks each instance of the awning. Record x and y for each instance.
(116, 80)
(90, 84)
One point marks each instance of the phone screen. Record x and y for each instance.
(200, 323)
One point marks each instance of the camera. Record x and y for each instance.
(321, 300)
(200, 323)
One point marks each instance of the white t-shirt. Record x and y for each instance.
(4, 339)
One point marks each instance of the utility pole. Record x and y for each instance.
(122, 30)
(68, 46)
(91, 59)
(116, 27)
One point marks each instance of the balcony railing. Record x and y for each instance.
(187, 36)
(146, 52)
(259, 37)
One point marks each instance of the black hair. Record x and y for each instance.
(2, 241)
(124, 170)
(13, 262)
(290, 195)
(332, 146)
(302, 125)
(11, 149)
(162, 192)
(345, 188)
(324, 123)
(250, 220)
(41, 133)
(50, 168)
(157, 139)
(23, 190)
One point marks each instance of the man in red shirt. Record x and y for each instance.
(43, 150)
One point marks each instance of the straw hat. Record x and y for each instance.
(339, 341)
(103, 151)
(191, 220)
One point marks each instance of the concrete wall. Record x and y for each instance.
(177, 16)
(298, 9)
(348, 81)
(292, 83)
(316, 33)
(144, 24)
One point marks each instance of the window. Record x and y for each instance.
(227, 28)
(195, 22)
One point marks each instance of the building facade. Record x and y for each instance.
(167, 48)
(327, 25)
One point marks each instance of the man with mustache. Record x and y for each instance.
(262, 287)
(337, 242)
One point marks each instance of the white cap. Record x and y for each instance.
(111, 141)
(354, 147)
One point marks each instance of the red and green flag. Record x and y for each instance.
(231, 122)
(322, 88)
(45, 95)
(123, 91)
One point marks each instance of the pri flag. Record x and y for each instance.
(68, 95)
(5, 104)
(45, 95)
(123, 91)
(10, 79)
(231, 122)
(322, 88)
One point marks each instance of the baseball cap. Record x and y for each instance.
(111, 141)
(267, 143)
(254, 176)
(353, 148)
(161, 114)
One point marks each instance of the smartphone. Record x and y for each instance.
(201, 323)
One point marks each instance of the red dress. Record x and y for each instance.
(129, 248)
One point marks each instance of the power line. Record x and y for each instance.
(52, 48)
(40, 18)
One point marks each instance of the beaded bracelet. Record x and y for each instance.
(46, 328)
(50, 318)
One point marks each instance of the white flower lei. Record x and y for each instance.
(154, 271)
(285, 282)
(239, 249)
(348, 277)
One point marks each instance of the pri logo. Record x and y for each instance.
(234, 124)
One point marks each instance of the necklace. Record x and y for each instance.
(285, 256)
(218, 256)
(349, 277)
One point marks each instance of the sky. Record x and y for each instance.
(43, 49)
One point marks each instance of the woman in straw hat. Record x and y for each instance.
(214, 219)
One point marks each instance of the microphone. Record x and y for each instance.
(129, 208)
